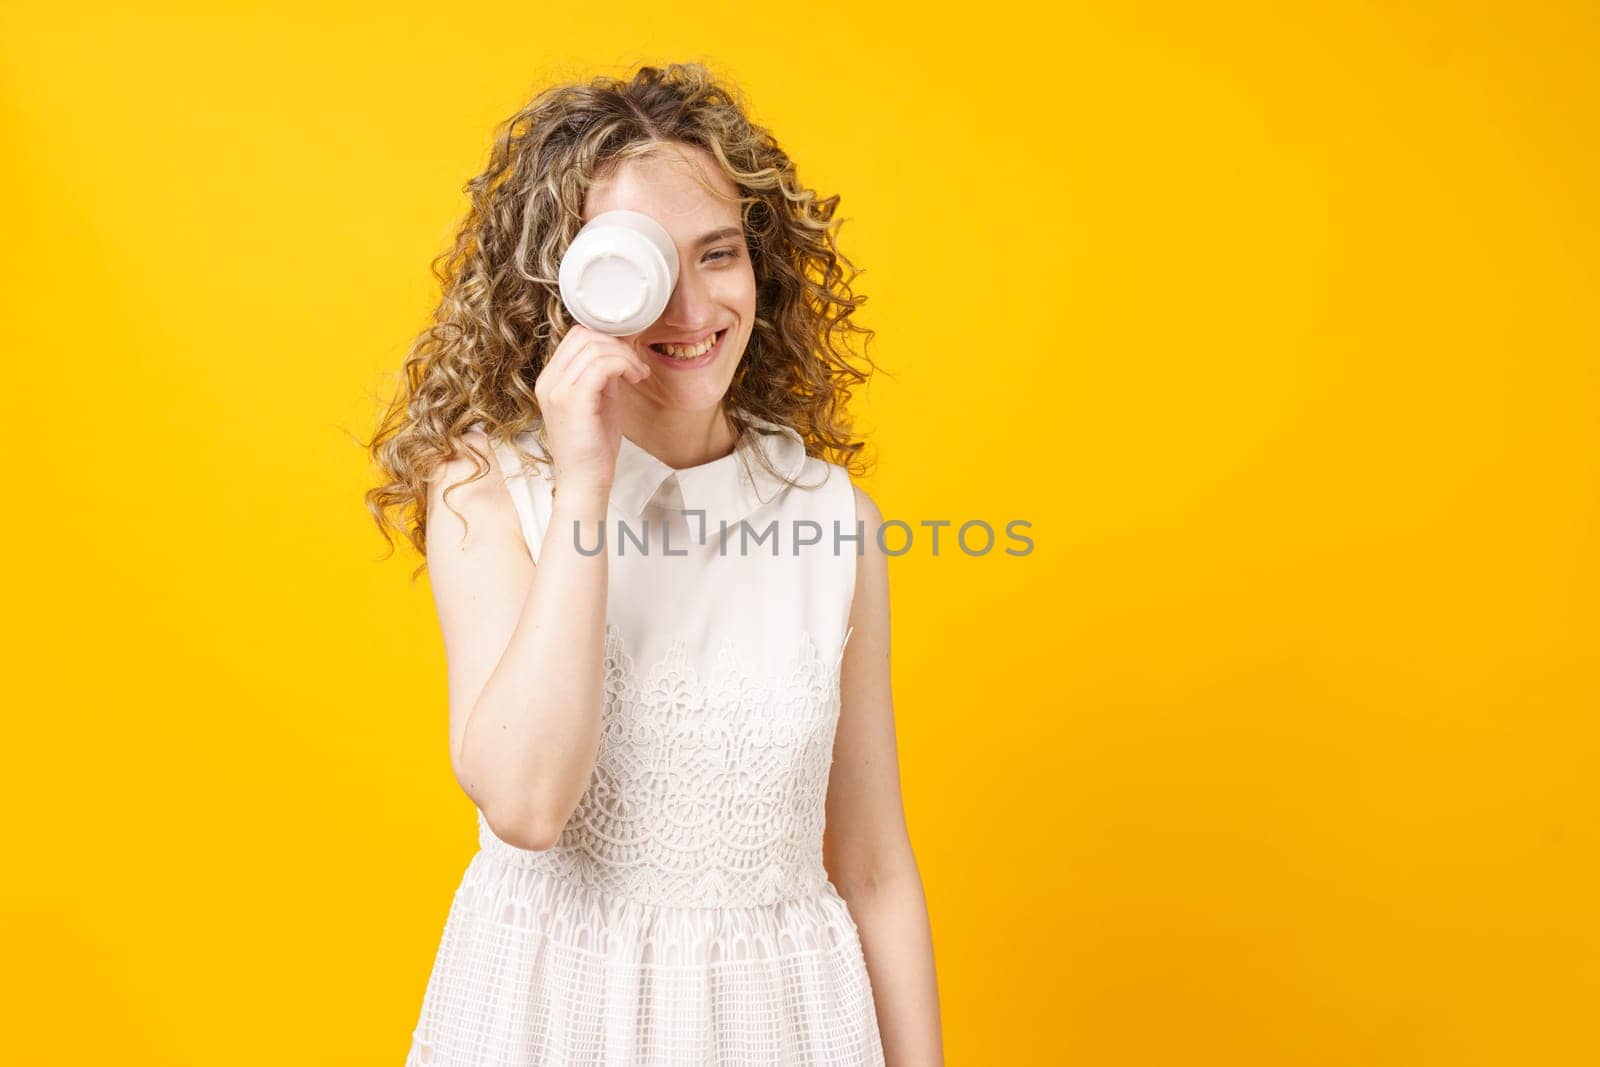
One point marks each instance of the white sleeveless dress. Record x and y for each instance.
(684, 915)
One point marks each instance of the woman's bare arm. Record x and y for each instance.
(523, 645)
(866, 846)
(526, 649)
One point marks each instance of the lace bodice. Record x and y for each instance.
(709, 787)
(721, 681)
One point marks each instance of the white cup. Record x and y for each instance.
(619, 272)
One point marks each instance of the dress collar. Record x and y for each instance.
(726, 489)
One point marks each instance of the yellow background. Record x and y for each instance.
(1277, 322)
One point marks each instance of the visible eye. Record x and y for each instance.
(723, 253)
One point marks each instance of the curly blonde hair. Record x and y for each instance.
(501, 316)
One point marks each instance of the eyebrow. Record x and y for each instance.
(717, 235)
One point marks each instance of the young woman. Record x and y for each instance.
(665, 616)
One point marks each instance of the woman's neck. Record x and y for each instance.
(681, 439)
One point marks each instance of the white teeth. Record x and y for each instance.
(689, 352)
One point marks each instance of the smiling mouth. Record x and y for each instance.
(685, 353)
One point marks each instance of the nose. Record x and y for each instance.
(690, 306)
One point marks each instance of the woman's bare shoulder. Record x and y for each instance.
(460, 503)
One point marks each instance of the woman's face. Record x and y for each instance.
(716, 292)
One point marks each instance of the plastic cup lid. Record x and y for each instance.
(610, 286)
(615, 280)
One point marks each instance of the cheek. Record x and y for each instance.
(738, 292)
(747, 292)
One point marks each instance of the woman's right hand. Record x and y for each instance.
(577, 393)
